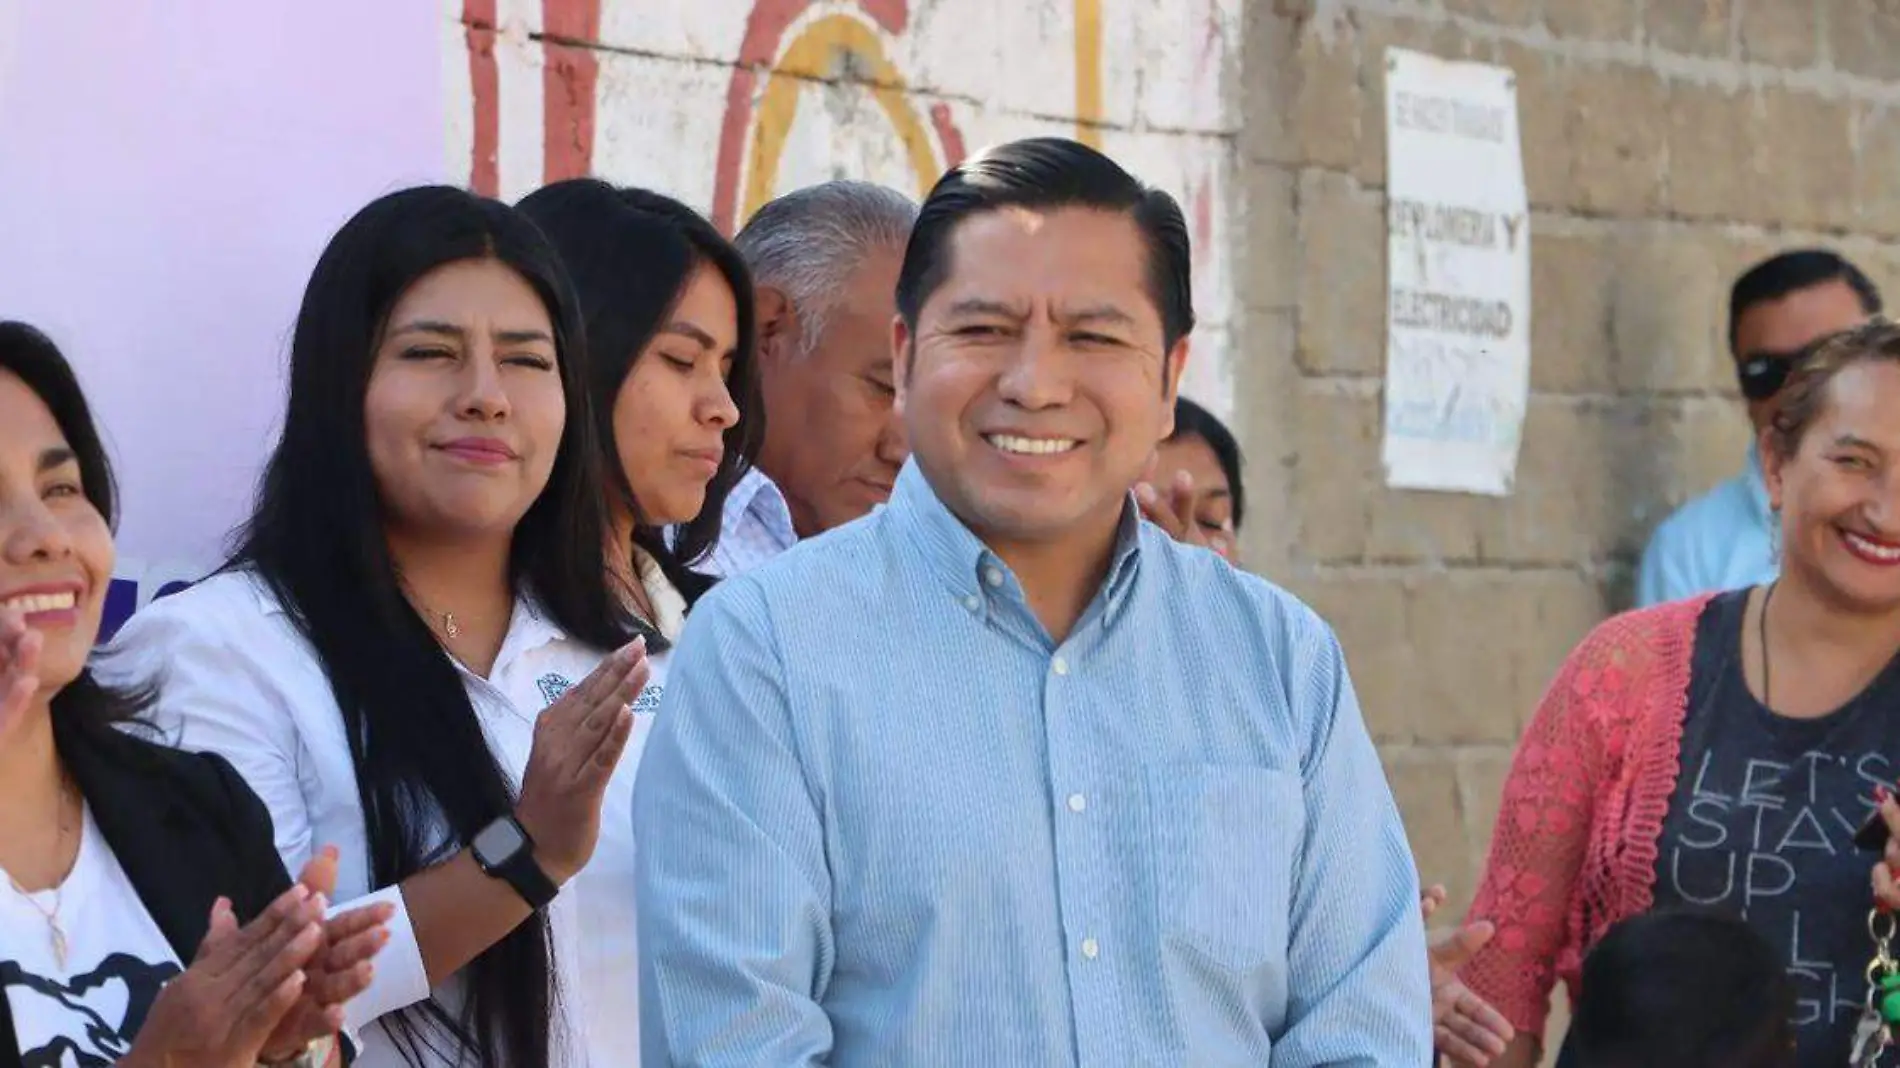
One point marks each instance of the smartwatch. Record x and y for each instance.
(504, 851)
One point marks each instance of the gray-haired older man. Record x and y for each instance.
(824, 260)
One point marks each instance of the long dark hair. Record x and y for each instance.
(1193, 421)
(630, 253)
(316, 537)
(85, 703)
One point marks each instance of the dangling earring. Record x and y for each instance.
(1774, 535)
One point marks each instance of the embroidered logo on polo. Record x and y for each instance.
(553, 686)
(649, 700)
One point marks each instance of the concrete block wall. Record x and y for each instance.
(1667, 144)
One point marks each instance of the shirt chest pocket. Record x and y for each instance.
(1226, 845)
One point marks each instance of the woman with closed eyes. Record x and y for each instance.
(668, 307)
(412, 651)
(1194, 490)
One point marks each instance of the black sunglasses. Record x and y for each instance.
(1764, 373)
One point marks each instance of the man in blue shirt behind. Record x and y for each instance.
(1777, 309)
(1000, 775)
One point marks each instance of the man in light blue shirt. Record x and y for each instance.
(1778, 309)
(1000, 775)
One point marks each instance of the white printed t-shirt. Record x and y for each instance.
(88, 1011)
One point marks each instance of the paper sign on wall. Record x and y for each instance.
(1458, 276)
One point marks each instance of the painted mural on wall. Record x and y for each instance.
(727, 103)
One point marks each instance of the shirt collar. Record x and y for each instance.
(961, 558)
(667, 602)
(529, 628)
(757, 495)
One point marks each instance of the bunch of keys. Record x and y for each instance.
(1874, 1033)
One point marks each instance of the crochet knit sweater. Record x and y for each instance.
(1576, 840)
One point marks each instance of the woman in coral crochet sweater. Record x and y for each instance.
(1722, 750)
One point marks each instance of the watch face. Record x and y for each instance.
(498, 841)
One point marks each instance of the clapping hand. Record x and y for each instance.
(1464, 1026)
(220, 1011)
(19, 669)
(1173, 512)
(340, 968)
(577, 744)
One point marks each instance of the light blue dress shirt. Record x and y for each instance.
(1722, 540)
(885, 821)
(756, 526)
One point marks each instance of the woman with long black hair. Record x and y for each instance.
(391, 657)
(675, 393)
(672, 370)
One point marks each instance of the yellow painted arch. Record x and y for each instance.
(1088, 72)
(810, 55)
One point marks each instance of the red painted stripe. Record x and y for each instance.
(948, 135)
(571, 20)
(893, 15)
(764, 35)
(764, 29)
(484, 172)
(570, 80)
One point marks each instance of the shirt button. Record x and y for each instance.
(993, 576)
(1060, 666)
(1091, 949)
(973, 603)
(1077, 802)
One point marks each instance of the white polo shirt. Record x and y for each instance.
(237, 678)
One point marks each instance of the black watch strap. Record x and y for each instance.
(516, 867)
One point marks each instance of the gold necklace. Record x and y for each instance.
(51, 915)
(449, 628)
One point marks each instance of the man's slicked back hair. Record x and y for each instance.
(1044, 173)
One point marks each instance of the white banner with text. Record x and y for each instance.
(1458, 276)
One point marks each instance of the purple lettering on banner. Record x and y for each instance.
(122, 599)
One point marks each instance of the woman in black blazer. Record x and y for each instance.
(145, 920)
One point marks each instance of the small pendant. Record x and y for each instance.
(59, 946)
(448, 626)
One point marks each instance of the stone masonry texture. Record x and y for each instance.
(1667, 145)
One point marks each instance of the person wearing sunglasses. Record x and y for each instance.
(1778, 310)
